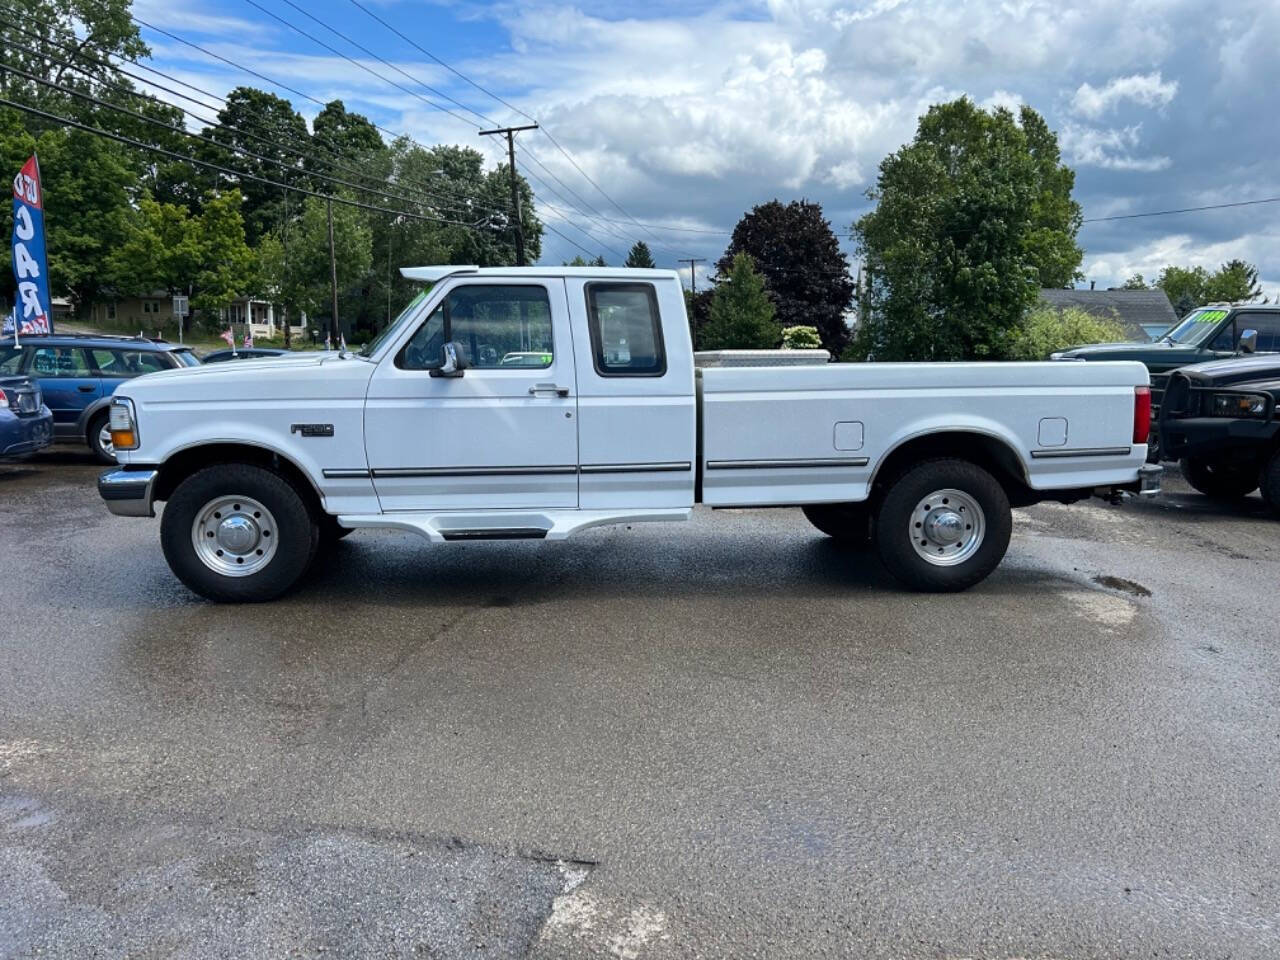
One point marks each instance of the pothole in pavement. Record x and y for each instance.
(1123, 585)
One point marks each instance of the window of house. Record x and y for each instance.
(497, 327)
(626, 332)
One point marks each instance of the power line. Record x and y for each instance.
(356, 63)
(1169, 213)
(130, 141)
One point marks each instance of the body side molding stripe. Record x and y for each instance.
(472, 471)
(674, 466)
(1082, 452)
(352, 474)
(786, 464)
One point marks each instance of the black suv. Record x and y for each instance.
(1218, 420)
(78, 373)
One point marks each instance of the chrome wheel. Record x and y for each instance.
(947, 527)
(234, 536)
(104, 440)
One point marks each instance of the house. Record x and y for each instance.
(154, 312)
(1144, 314)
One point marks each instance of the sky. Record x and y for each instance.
(685, 115)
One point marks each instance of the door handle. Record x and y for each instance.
(85, 388)
(541, 388)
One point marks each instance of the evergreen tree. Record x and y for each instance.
(640, 256)
(742, 314)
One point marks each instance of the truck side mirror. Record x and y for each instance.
(452, 361)
(1248, 341)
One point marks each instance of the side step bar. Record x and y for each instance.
(496, 533)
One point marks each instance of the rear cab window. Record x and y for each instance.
(626, 330)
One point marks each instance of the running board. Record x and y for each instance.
(461, 525)
(496, 533)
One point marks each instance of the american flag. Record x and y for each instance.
(230, 338)
(248, 338)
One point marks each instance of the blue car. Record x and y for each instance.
(78, 373)
(26, 424)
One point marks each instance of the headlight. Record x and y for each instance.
(1238, 405)
(124, 424)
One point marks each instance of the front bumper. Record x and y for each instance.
(20, 436)
(129, 493)
(1214, 437)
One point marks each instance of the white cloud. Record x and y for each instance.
(1146, 89)
(1110, 149)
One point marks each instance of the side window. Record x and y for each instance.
(498, 327)
(1268, 327)
(1225, 339)
(60, 362)
(10, 359)
(626, 332)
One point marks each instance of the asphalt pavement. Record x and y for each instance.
(723, 739)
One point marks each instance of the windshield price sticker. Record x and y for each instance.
(1210, 316)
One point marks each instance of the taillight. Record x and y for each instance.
(4, 399)
(1141, 414)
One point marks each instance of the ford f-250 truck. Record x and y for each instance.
(536, 402)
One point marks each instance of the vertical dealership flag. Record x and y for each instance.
(32, 308)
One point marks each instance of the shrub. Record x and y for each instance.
(1045, 329)
(800, 338)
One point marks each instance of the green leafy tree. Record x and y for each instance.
(742, 314)
(972, 218)
(266, 125)
(639, 256)
(1136, 282)
(1046, 329)
(697, 307)
(806, 275)
(800, 338)
(1190, 287)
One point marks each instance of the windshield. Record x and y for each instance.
(372, 346)
(1195, 328)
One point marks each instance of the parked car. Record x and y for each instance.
(26, 424)
(1219, 422)
(243, 353)
(1209, 333)
(79, 373)
(427, 430)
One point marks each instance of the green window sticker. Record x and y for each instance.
(1210, 316)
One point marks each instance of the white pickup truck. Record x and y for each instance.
(536, 402)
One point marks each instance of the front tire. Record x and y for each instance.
(237, 533)
(943, 525)
(847, 523)
(99, 437)
(1220, 481)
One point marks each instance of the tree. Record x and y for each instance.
(639, 256)
(164, 247)
(1190, 287)
(697, 307)
(804, 271)
(1046, 329)
(972, 218)
(1136, 282)
(742, 314)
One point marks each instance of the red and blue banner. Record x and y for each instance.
(32, 309)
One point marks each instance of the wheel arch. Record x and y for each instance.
(186, 461)
(988, 450)
(92, 410)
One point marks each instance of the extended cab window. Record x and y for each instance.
(1268, 326)
(626, 333)
(497, 326)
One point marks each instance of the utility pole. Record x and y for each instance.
(515, 183)
(333, 282)
(693, 279)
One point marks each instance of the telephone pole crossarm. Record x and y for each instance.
(510, 133)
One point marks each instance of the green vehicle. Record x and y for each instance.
(1214, 332)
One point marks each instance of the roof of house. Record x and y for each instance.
(1132, 309)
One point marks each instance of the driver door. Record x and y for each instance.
(503, 434)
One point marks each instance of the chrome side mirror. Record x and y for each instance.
(452, 362)
(1249, 341)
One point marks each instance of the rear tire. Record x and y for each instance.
(99, 437)
(255, 532)
(848, 523)
(1270, 483)
(1219, 481)
(943, 525)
